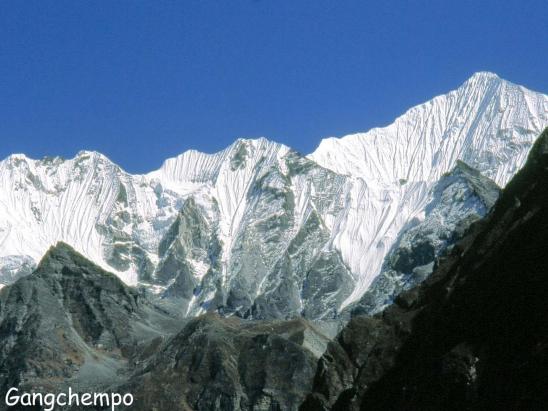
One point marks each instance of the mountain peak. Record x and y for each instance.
(60, 248)
(484, 75)
(17, 156)
(479, 115)
(253, 141)
(65, 255)
(197, 166)
(260, 144)
(93, 156)
(488, 123)
(91, 153)
(482, 80)
(14, 160)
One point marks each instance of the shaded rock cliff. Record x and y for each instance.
(474, 336)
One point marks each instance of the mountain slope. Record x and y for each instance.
(473, 336)
(458, 199)
(70, 322)
(278, 264)
(488, 123)
(280, 226)
(228, 364)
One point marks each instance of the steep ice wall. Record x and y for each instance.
(488, 123)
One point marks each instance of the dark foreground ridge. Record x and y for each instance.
(473, 336)
(70, 323)
(219, 363)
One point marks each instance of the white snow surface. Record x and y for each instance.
(489, 123)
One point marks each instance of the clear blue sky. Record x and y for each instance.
(141, 81)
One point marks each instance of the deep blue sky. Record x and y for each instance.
(145, 80)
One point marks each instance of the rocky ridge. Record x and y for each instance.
(473, 336)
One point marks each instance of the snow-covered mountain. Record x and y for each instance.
(488, 123)
(110, 216)
(460, 198)
(258, 229)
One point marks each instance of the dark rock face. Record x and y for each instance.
(304, 281)
(474, 336)
(219, 363)
(70, 321)
(190, 240)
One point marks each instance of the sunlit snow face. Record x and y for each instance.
(363, 189)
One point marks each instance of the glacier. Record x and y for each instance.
(281, 233)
